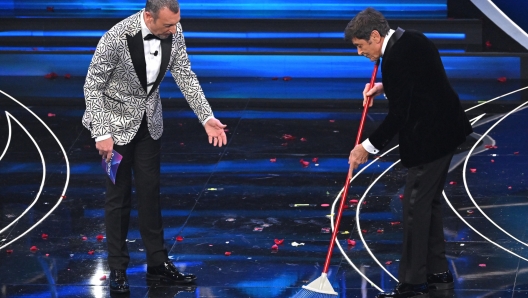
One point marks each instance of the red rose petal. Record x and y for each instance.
(473, 170)
(305, 163)
(99, 237)
(275, 247)
(380, 231)
(388, 262)
(273, 159)
(401, 196)
(482, 265)
(33, 248)
(287, 78)
(287, 137)
(325, 205)
(303, 140)
(351, 242)
(315, 159)
(453, 183)
(179, 238)
(67, 76)
(51, 115)
(47, 255)
(516, 153)
(331, 121)
(470, 211)
(227, 253)
(45, 236)
(51, 76)
(502, 79)
(9, 251)
(492, 160)
(84, 238)
(394, 223)
(102, 277)
(509, 187)
(488, 44)
(353, 201)
(364, 231)
(279, 241)
(91, 252)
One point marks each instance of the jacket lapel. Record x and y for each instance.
(135, 47)
(394, 38)
(166, 47)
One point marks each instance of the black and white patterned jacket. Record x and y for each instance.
(116, 83)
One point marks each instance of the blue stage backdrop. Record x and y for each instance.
(253, 8)
(245, 65)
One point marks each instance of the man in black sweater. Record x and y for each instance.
(426, 113)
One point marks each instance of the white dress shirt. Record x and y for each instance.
(152, 49)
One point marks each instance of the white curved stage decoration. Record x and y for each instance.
(9, 117)
(502, 21)
(62, 195)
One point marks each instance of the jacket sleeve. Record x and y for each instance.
(101, 67)
(187, 80)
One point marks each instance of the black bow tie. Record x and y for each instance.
(150, 36)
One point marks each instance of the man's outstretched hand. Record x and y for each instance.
(215, 131)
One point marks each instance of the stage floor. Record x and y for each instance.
(241, 198)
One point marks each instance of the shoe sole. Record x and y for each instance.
(158, 278)
(442, 286)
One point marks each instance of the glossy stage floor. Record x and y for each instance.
(225, 208)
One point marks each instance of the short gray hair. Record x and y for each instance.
(154, 6)
(364, 23)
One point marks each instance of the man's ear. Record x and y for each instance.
(148, 16)
(375, 36)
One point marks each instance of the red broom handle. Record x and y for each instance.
(349, 176)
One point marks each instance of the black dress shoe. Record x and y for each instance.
(404, 290)
(440, 281)
(168, 273)
(119, 281)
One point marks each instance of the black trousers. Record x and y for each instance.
(142, 157)
(423, 229)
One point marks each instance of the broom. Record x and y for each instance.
(321, 287)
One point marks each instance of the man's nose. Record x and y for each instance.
(172, 29)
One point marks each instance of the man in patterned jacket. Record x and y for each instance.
(123, 112)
